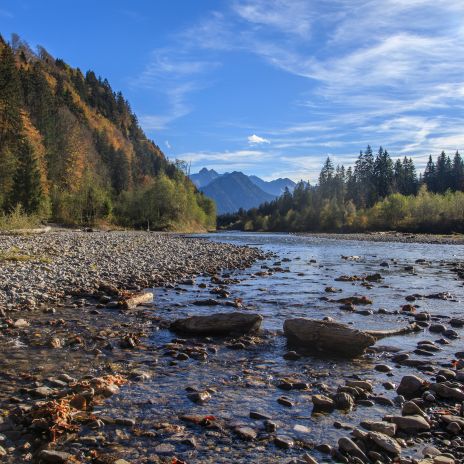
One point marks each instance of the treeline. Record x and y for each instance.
(376, 194)
(71, 150)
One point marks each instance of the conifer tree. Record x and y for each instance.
(383, 174)
(27, 188)
(457, 173)
(430, 175)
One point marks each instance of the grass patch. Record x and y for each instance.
(18, 219)
(15, 255)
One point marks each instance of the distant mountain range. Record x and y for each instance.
(234, 190)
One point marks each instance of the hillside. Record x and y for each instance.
(71, 149)
(233, 191)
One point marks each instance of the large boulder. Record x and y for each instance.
(222, 324)
(326, 337)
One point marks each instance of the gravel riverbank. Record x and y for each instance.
(39, 269)
(457, 239)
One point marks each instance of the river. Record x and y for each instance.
(244, 380)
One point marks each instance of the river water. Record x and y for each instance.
(247, 379)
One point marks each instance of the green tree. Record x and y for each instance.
(458, 173)
(27, 188)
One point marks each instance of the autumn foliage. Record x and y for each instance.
(71, 149)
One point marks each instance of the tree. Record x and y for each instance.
(383, 174)
(443, 173)
(27, 188)
(458, 173)
(365, 192)
(430, 178)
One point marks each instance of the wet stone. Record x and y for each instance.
(284, 442)
(259, 415)
(284, 401)
(246, 433)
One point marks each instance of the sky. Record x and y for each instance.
(269, 87)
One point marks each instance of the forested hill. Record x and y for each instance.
(378, 193)
(71, 149)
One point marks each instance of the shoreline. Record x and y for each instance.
(399, 237)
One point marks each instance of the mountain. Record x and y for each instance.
(71, 150)
(232, 191)
(204, 177)
(274, 187)
(235, 190)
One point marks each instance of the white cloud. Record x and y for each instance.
(291, 17)
(256, 140)
(168, 145)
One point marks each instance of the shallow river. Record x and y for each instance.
(246, 380)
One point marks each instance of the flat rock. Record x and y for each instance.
(247, 433)
(385, 442)
(235, 323)
(259, 415)
(411, 424)
(282, 441)
(386, 428)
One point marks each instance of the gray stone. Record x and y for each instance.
(410, 386)
(411, 424)
(386, 428)
(235, 323)
(246, 433)
(282, 441)
(323, 403)
(385, 442)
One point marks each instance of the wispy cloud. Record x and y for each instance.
(293, 18)
(172, 77)
(385, 73)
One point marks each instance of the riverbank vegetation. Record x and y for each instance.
(72, 150)
(376, 194)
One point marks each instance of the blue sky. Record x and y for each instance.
(269, 87)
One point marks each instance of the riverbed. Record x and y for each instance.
(249, 374)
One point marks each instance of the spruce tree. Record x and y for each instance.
(383, 174)
(458, 173)
(443, 173)
(27, 188)
(430, 179)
